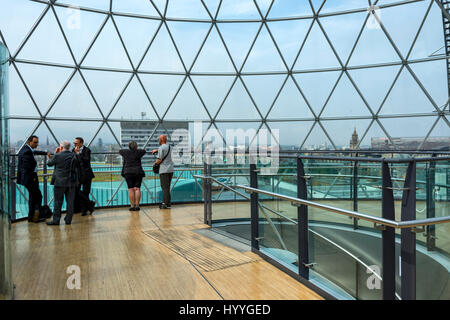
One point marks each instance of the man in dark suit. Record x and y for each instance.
(65, 181)
(27, 175)
(86, 176)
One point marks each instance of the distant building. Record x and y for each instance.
(354, 141)
(142, 130)
(432, 143)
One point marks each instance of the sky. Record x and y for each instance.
(357, 95)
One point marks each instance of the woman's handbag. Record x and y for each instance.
(156, 166)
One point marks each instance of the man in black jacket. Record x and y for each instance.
(64, 180)
(27, 175)
(86, 176)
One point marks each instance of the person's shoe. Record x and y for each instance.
(53, 223)
(92, 209)
(132, 208)
(83, 212)
(164, 206)
(137, 208)
(68, 222)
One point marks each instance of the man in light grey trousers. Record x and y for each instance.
(64, 180)
(165, 162)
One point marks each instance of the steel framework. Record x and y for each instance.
(263, 119)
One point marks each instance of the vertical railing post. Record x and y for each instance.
(431, 209)
(209, 188)
(302, 218)
(355, 192)
(388, 235)
(254, 212)
(13, 188)
(44, 185)
(408, 246)
(205, 194)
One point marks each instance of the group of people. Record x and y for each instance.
(71, 179)
(73, 174)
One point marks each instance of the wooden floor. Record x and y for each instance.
(140, 255)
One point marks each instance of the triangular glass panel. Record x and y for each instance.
(98, 4)
(187, 105)
(434, 77)
(44, 92)
(290, 104)
(212, 137)
(337, 6)
(188, 37)
(136, 34)
(80, 28)
(20, 103)
(317, 140)
(187, 9)
(439, 136)
(162, 55)
(14, 32)
(316, 53)
(135, 6)
(213, 57)
(373, 46)
(68, 130)
(106, 86)
(238, 9)
(47, 141)
(264, 55)
(213, 90)
(238, 105)
(161, 89)
(406, 97)
(290, 8)
(343, 30)
(238, 135)
(403, 22)
(291, 133)
(105, 141)
(133, 104)
(264, 89)
(375, 138)
(345, 101)
(19, 131)
(343, 131)
(408, 133)
(161, 5)
(108, 51)
(317, 87)
(318, 5)
(213, 6)
(289, 36)
(263, 6)
(238, 38)
(76, 99)
(374, 83)
(47, 43)
(431, 37)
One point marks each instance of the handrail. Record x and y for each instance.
(354, 214)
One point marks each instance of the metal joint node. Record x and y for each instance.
(379, 226)
(259, 238)
(310, 265)
(418, 229)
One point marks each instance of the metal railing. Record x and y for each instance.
(386, 224)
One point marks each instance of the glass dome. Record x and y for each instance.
(313, 72)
